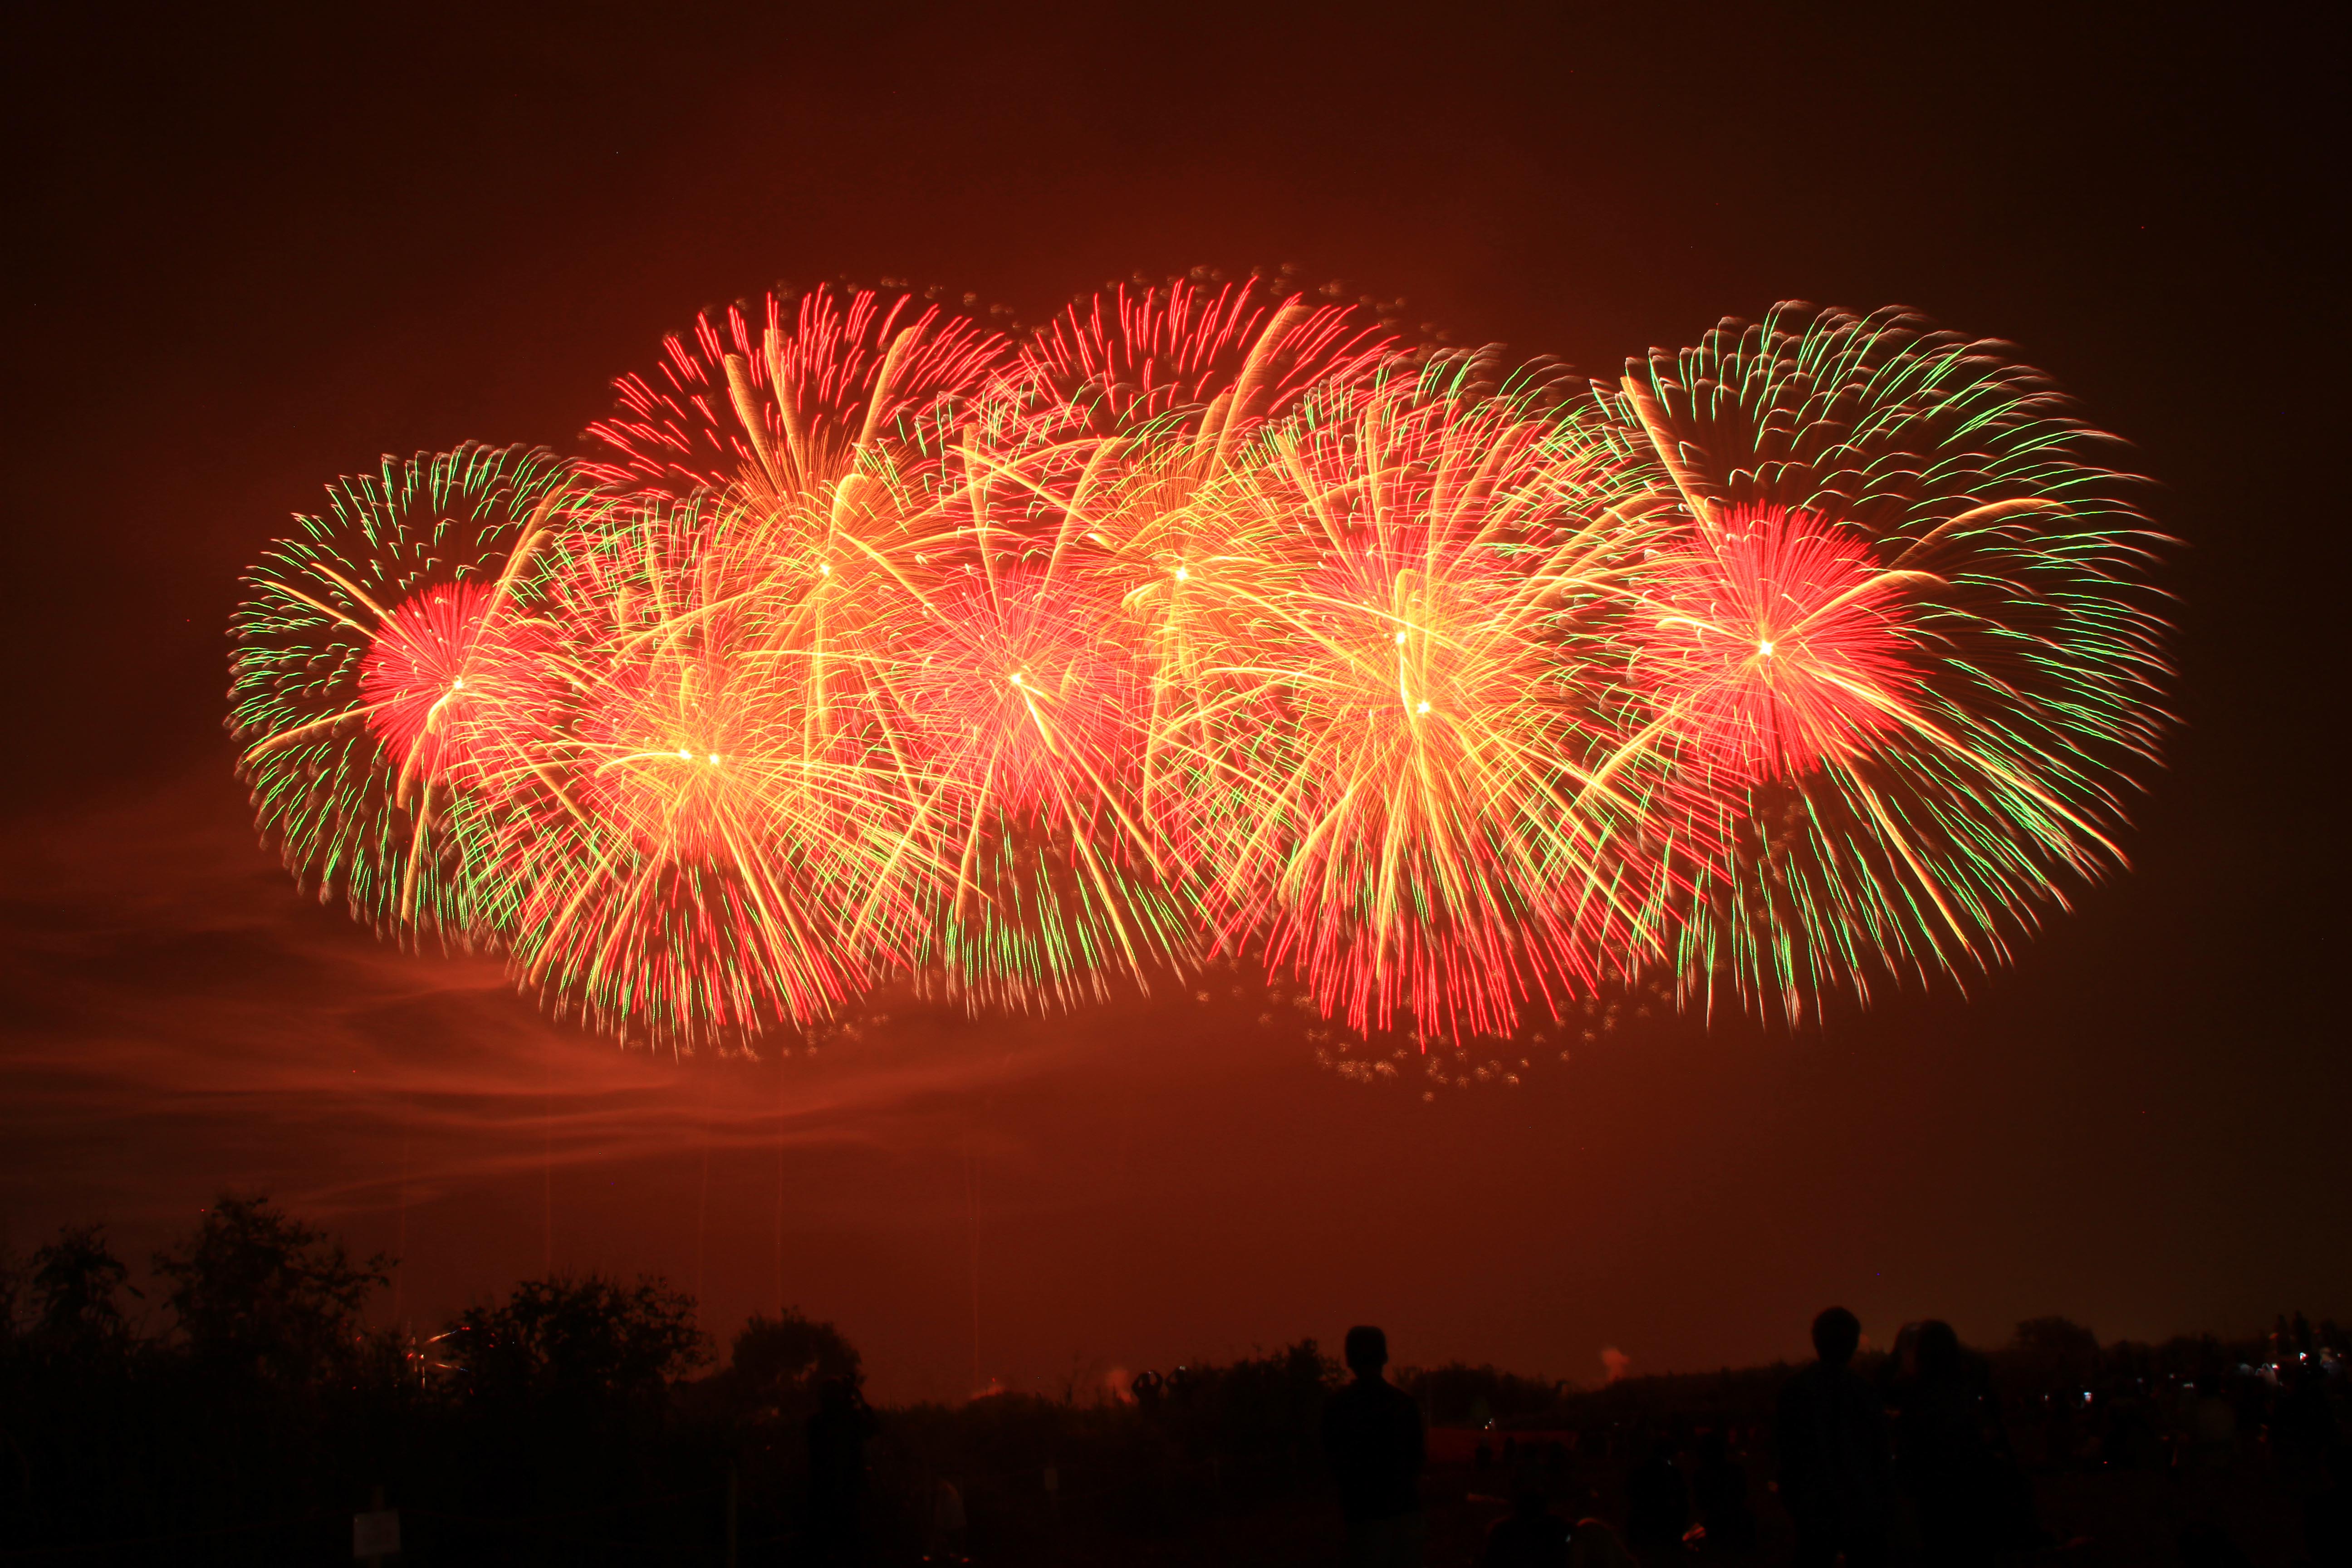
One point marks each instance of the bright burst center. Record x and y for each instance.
(1051, 721)
(1776, 642)
(412, 678)
(645, 721)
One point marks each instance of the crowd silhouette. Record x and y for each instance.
(236, 1403)
(1916, 1463)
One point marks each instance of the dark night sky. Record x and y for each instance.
(246, 255)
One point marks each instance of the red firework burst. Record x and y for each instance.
(851, 362)
(1776, 640)
(1126, 358)
(448, 671)
(1021, 689)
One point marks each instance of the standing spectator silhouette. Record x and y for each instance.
(837, 1471)
(944, 1539)
(1371, 1432)
(1657, 1505)
(1972, 1500)
(1835, 1474)
(1719, 1493)
(2216, 1432)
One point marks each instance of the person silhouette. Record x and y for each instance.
(837, 1471)
(1657, 1504)
(1371, 1432)
(1834, 1459)
(1597, 1544)
(1719, 1496)
(1530, 1535)
(1970, 1499)
(944, 1531)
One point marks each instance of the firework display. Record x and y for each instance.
(1904, 639)
(390, 666)
(1214, 622)
(1420, 782)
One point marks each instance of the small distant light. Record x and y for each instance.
(714, 759)
(1182, 576)
(1765, 648)
(1400, 637)
(684, 755)
(458, 684)
(824, 567)
(1422, 708)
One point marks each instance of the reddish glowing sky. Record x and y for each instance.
(257, 256)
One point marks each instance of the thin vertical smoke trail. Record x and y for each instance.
(702, 1200)
(972, 1215)
(547, 1162)
(400, 1252)
(702, 1213)
(780, 1195)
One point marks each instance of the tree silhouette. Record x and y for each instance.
(75, 1281)
(778, 1362)
(590, 1339)
(256, 1291)
(2053, 1354)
